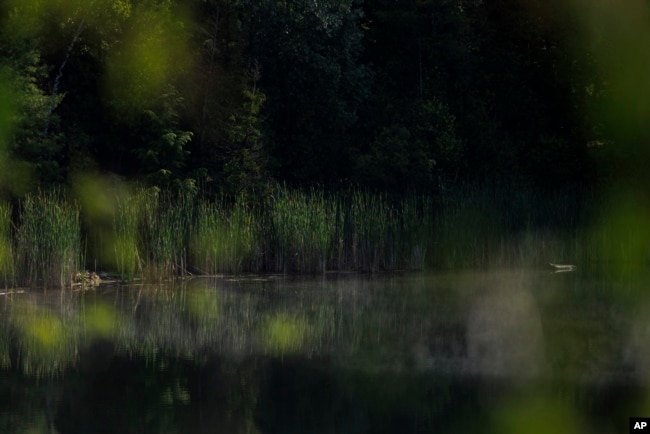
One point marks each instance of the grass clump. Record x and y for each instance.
(49, 240)
(374, 223)
(312, 232)
(415, 238)
(7, 253)
(126, 225)
(225, 239)
(302, 227)
(167, 223)
(499, 227)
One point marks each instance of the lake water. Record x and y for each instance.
(501, 351)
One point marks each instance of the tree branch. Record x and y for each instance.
(59, 75)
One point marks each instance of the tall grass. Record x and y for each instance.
(7, 253)
(49, 244)
(207, 244)
(225, 239)
(157, 234)
(416, 238)
(151, 232)
(302, 232)
(483, 227)
(125, 242)
(374, 224)
(165, 232)
(302, 227)
(618, 234)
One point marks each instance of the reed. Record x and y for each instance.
(243, 230)
(463, 229)
(156, 234)
(303, 228)
(483, 227)
(226, 237)
(128, 212)
(618, 234)
(322, 231)
(7, 251)
(416, 237)
(208, 239)
(285, 226)
(49, 240)
(166, 224)
(373, 225)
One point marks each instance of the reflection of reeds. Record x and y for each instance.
(361, 320)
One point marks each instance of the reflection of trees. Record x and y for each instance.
(487, 323)
(278, 354)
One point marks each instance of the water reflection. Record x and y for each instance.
(637, 351)
(488, 351)
(505, 334)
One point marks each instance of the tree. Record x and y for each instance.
(423, 154)
(33, 143)
(225, 103)
(505, 70)
(245, 171)
(311, 72)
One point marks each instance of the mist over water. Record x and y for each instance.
(495, 350)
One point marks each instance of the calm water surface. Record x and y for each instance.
(505, 351)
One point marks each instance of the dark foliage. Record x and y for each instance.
(389, 95)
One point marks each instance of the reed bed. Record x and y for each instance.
(154, 234)
(373, 224)
(302, 228)
(7, 253)
(49, 243)
(618, 235)
(165, 232)
(225, 238)
(128, 212)
(416, 237)
(500, 228)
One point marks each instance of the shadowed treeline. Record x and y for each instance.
(393, 96)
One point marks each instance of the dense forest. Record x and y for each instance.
(389, 95)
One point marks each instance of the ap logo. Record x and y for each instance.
(640, 424)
